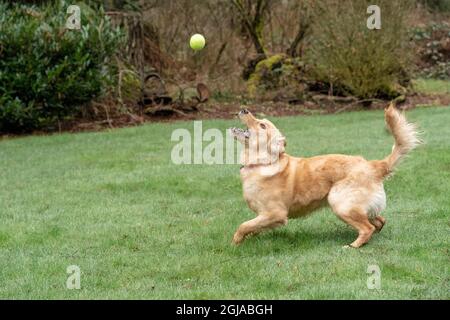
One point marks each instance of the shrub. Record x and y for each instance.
(279, 77)
(353, 60)
(433, 48)
(437, 5)
(46, 71)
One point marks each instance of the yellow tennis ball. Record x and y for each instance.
(197, 42)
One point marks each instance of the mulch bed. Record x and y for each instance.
(212, 110)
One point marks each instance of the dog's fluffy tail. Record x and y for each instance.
(405, 134)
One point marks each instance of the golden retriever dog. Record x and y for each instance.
(277, 186)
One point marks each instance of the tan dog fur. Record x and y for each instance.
(277, 186)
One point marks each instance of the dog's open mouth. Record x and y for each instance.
(238, 132)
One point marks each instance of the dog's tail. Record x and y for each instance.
(405, 134)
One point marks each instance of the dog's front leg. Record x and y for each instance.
(260, 223)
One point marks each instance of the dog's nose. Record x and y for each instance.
(244, 111)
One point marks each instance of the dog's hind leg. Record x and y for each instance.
(260, 223)
(378, 222)
(350, 204)
(376, 204)
(359, 220)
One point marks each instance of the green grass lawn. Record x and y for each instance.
(139, 226)
(432, 86)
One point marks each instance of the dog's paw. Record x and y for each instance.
(237, 239)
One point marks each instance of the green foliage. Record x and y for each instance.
(354, 60)
(130, 5)
(433, 42)
(432, 86)
(437, 5)
(46, 71)
(275, 74)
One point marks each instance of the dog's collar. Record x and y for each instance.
(258, 165)
(251, 166)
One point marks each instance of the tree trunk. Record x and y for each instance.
(253, 25)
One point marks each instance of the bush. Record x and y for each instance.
(46, 71)
(437, 5)
(433, 48)
(279, 77)
(353, 60)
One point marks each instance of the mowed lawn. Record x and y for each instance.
(139, 226)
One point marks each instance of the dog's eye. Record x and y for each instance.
(262, 125)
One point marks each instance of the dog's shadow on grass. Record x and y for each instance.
(289, 240)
